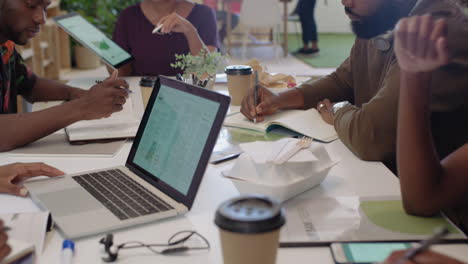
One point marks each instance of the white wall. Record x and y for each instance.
(329, 18)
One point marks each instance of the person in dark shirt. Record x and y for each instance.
(305, 10)
(187, 28)
(19, 22)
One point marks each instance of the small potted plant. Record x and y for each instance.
(200, 69)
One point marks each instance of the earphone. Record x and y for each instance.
(112, 250)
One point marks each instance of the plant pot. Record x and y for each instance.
(207, 84)
(86, 59)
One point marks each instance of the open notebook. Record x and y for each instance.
(308, 123)
(123, 124)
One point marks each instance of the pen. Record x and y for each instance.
(126, 89)
(256, 96)
(410, 254)
(225, 158)
(157, 28)
(68, 249)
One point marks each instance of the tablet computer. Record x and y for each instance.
(92, 38)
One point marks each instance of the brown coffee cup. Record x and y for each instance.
(249, 229)
(239, 82)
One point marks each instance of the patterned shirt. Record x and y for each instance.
(15, 78)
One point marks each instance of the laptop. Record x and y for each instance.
(162, 173)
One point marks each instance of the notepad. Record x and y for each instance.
(306, 122)
(123, 124)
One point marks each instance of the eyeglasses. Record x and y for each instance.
(182, 241)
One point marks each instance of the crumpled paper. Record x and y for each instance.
(268, 80)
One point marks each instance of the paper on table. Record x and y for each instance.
(28, 227)
(355, 219)
(389, 214)
(321, 219)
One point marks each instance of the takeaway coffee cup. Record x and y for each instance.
(239, 82)
(249, 229)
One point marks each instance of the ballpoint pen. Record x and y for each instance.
(256, 96)
(412, 253)
(113, 77)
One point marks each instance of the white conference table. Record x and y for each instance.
(351, 177)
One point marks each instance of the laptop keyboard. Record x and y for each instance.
(123, 196)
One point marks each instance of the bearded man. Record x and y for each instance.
(361, 97)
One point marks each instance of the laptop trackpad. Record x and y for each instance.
(69, 202)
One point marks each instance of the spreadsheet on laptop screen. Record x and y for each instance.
(175, 136)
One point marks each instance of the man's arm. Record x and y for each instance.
(336, 87)
(28, 127)
(369, 131)
(49, 90)
(100, 101)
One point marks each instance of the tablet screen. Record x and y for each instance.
(91, 37)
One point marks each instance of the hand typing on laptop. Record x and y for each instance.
(12, 176)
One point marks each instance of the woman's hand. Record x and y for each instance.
(421, 44)
(175, 23)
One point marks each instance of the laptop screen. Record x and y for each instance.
(175, 135)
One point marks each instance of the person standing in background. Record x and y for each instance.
(305, 9)
(221, 15)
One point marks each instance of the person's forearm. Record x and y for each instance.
(292, 99)
(20, 129)
(49, 90)
(418, 163)
(195, 42)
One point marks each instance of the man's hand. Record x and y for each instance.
(268, 104)
(421, 44)
(4, 248)
(104, 99)
(325, 108)
(428, 257)
(12, 176)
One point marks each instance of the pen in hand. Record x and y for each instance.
(114, 76)
(255, 96)
(436, 238)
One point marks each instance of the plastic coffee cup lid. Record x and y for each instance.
(238, 70)
(250, 215)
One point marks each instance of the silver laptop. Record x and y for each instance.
(162, 174)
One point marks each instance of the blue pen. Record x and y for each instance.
(68, 249)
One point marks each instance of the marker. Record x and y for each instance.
(68, 249)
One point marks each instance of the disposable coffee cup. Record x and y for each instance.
(239, 82)
(249, 229)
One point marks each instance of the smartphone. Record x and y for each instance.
(364, 253)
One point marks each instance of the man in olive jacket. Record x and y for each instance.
(369, 81)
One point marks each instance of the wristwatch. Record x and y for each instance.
(339, 105)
